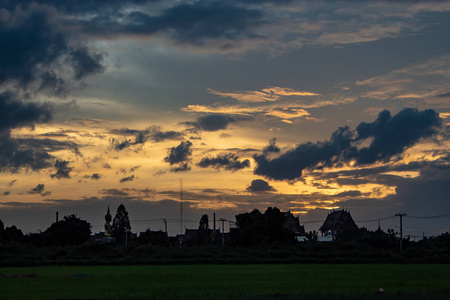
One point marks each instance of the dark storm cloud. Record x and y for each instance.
(126, 179)
(186, 23)
(85, 63)
(153, 133)
(272, 148)
(290, 165)
(388, 136)
(62, 169)
(179, 154)
(392, 135)
(191, 23)
(227, 161)
(212, 122)
(259, 185)
(79, 7)
(13, 156)
(49, 145)
(15, 113)
(32, 49)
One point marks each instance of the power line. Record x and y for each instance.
(375, 220)
(430, 217)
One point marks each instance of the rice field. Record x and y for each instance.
(227, 282)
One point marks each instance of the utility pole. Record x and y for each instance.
(181, 206)
(401, 229)
(223, 231)
(165, 226)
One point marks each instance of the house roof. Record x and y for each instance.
(293, 224)
(338, 220)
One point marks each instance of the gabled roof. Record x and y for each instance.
(293, 224)
(338, 220)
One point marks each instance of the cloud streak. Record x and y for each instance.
(268, 94)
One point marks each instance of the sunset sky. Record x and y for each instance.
(308, 106)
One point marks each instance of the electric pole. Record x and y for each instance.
(181, 206)
(401, 229)
(165, 226)
(223, 231)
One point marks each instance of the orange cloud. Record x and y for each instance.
(267, 94)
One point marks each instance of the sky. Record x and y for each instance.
(308, 106)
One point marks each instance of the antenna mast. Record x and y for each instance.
(181, 206)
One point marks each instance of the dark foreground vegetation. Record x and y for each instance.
(15, 254)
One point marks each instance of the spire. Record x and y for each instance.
(108, 217)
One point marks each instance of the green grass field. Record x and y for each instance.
(227, 282)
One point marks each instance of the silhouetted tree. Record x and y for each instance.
(71, 230)
(121, 224)
(255, 228)
(13, 234)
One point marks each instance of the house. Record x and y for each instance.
(337, 221)
(199, 236)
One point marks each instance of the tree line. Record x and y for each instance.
(253, 229)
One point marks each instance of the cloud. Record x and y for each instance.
(259, 185)
(13, 156)
(392, 135)
(85, 63)
(272, 148)
(62, 169)
(283, 109)
(126, 179)
(153, 133)
(39, 189)
(180, 155)
(388, 136)
(94, 176)
(11, 183)
(113, 192)
(38, 55)
(15, 113)
(349, 194)
(49, 144)
(212, 122)
(186, 23)
(287, 113)
(267, 94)
(427, 81)
(227, 161)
